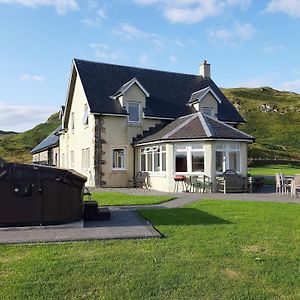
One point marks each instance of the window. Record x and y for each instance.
(85, 159)
(85, 120)
(118, 159)
(189, 158)
(153, 159)
(208, 111)
(72, 122)
(134, 112)
(220, 161)
(228, 157)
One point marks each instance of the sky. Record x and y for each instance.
(248, 44)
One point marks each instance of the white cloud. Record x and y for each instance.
(233, 36)
(144, 59)
(289, 7)
(193, 11)
(272, 49)
(28, 77)
(96, 19)
(128, 32)
(293, 85)
(173, 58)
(104, 52)
(61, 6)
(22, 117)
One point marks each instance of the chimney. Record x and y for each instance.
(204, 69)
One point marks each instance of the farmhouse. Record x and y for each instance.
(119, 120)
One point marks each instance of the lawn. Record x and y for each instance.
(211, 250)
(272, 169)
(114, 198)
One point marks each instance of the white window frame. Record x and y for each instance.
(86, 111)
(189, 149)
(85, 159)
(226, 149)
(122, 168)
(139, 112)
(152, 150)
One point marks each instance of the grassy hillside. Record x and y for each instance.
(273, 118)
(16, 147)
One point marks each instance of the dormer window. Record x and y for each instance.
(133, 109)
(209, 111)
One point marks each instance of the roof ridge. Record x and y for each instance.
(141, 68)
(206, 126)
(180, 126)
(231, 127)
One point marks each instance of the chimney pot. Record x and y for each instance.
(204, 69)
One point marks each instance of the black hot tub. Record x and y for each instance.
(39, 195)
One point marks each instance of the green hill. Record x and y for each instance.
(273, 118)
(16, 147)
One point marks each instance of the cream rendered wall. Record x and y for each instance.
(82, 137)
(118, 133)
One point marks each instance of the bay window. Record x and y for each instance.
(153, 159)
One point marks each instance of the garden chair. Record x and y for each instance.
(295, 185)
(196, 184)
(278, 182)
(140, 180)
(231, 182)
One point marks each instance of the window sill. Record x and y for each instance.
(134, 124)
(118, 170)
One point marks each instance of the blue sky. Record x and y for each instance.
(248, 43)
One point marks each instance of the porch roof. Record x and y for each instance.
(196, 126)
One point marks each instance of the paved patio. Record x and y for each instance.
(125, 222)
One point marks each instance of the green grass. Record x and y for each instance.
(275, 129)
(119, 199)
(211, 250)
(272, 169)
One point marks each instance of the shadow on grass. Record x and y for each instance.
(180, 216)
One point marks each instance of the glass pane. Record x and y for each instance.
(156, 162)
(234, 161)
(163, 157)
(163, 148)
(219, 161)
(197, 161)
(134, 114)
(197, 146)
(149, 161)
(143, 162)
(181, 162)
(234, 146)
(208, 111)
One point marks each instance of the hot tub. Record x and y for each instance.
(39, 195)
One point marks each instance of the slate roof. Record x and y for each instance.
(196, 126)
(50, 141)
(169, 92)
(198, 95)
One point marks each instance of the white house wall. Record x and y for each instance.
(83, 136)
